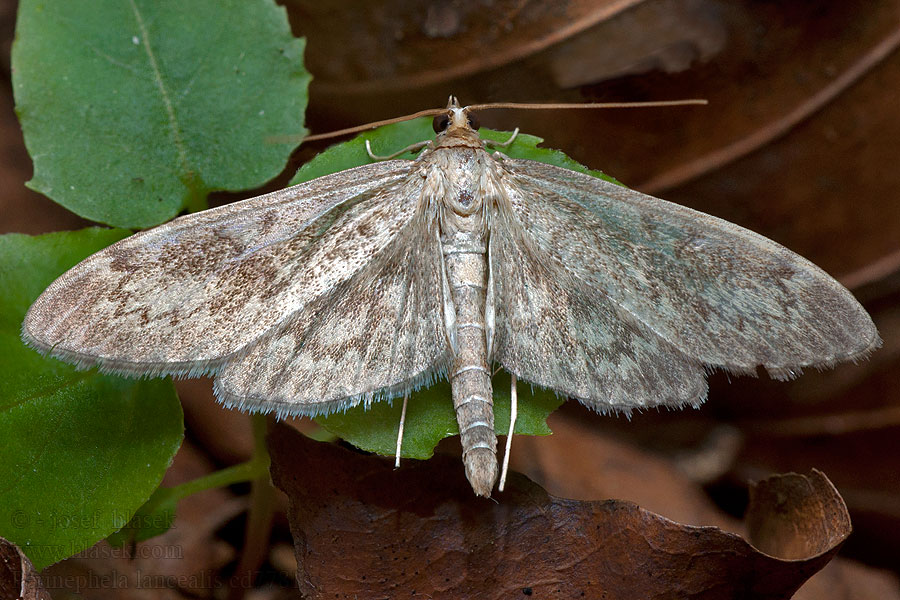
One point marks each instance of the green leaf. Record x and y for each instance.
(430, 416)
(134, 110)
(526, 146)
(352, 153)
(81, 451)
(157, 514)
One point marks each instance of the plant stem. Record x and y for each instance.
(259, 517)
(251, 470)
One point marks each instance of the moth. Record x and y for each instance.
(369, 283)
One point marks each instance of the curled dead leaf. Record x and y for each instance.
(362, 529)
(18, 579)
(795, 517)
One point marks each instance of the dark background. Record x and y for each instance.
(799, 142)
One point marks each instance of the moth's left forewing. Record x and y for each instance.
(720, 294)
(182, 297)
(378, 335)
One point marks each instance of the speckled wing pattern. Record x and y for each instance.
(199, 292)
(375, 336)
(621, 299)
(554, 331)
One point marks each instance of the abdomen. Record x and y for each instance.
(470, 378)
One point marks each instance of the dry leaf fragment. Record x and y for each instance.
(18, 579)
(362, 529)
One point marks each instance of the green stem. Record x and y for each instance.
(247, 471)
(259, 518)
(252, 470)
(196, 200)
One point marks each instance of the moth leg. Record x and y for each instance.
(410, 148)
(505, 144)
(513, 413)
(400, 432)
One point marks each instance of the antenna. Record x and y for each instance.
(491, 106)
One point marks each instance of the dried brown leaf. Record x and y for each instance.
(581, 462)
(18, 579)
(362, 529)
(392, 44)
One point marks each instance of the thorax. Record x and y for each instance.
(460, 184)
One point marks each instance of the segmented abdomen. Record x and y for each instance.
(470, 377)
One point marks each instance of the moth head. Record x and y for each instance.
(455, 119)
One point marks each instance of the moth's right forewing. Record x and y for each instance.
(718, 293)
(182, 297)
(554, 331)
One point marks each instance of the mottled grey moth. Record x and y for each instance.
(369, 283)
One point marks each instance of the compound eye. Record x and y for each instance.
(473, 122)
(440, 123)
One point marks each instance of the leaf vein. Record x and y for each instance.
(164, 92)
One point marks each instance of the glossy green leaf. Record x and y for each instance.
(81, 451)
(134, 110)
(352, 153)
(430, 418)
(526, 146)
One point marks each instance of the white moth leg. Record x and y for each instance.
(400, 432)
(513, 413)
(507, 143)
(410, 148)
